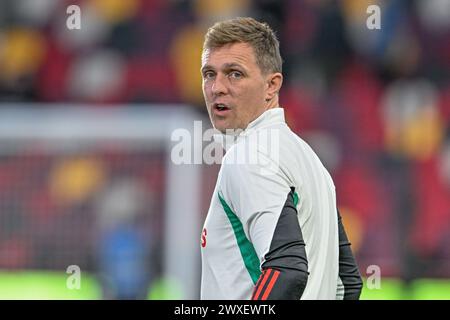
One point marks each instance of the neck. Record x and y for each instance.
(272, 103)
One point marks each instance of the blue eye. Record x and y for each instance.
(208, 75)
(235, 75)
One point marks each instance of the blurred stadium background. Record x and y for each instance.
(86, 118)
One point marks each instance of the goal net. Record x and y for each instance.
(95, 189)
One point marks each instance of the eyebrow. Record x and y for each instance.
(233, 65)
(225, 66)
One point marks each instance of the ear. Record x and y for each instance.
(273, 82)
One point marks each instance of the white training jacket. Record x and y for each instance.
(258, 171)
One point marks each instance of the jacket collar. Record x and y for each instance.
(267, 118)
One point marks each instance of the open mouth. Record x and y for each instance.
(221, 107)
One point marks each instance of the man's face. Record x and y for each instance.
(233, 86)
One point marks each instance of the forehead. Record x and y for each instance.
(241, 53)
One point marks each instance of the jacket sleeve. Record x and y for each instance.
(264, 204)
(349, 275)
(285, 269)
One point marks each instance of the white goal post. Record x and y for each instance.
(62, 128)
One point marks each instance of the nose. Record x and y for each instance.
(218, 87)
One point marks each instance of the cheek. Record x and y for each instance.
(204, 89)
(206, 84)
(252, 99)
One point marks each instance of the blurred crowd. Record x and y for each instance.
(96, 210)
(374, 104)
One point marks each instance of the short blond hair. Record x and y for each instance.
(247, 30)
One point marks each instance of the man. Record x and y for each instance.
(273, 233)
